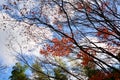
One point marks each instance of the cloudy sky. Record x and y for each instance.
(14, 41)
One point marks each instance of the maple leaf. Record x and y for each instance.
(79, 6)
(44, 52)
(85, 57)
(104, 33)
(55, 40)
(59, 48)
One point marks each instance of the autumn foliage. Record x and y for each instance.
(100, 75)
(107, 33)
(86, 59)
(58, 48)
(86, 32)
(104, 33)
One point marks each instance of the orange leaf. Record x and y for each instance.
(79, 6)
(104, 33)
(59, 48)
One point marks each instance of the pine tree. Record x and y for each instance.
(18, 72)
(38, 73)
(59, 74)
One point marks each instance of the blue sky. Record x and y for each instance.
(9, 35)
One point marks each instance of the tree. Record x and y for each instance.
(38, 73)
(59, 75)
(42, 74)
(87, 30)
(18, 72)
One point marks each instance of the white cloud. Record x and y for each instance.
(19, 36)
(102, 56)
(2, 2)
